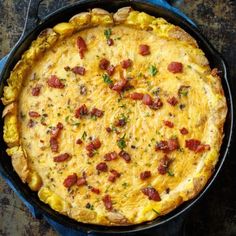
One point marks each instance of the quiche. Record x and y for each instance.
(114, 118)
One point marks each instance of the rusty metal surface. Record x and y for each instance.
(216, 213)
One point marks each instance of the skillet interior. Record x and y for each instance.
(63, 15)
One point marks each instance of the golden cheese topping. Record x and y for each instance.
(117, 121)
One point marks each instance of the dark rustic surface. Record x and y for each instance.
(216, 213)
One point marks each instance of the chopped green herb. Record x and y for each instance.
(107, 79)
(125, 185)
(76, 124)
(107, 33)
(67, 119)
(156, 211)
(152, 70)
(58, 114)
(42, 119)
(123, 106)
(93, 117)
(121, 142)
(170, 173)
(89, 206)
(84, 135)
(190, 67)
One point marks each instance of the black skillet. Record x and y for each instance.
(64, 14)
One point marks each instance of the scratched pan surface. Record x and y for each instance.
(65, 14)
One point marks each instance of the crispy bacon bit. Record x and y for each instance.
(110, 42)
(90, 153)
(168, 123)
(102, 166)
(70, 180)
(55, 132)
(81, 181)
(214, 72)
(183, 131)
(196, 146)
(110, 156)
(31, 123)
(164, 165)
(95, 190)
(79, 141)
(92, 146)
(157, 104)
(144, 49)
(107, 202)
(175, 67)
(120, 122)
(125, 156)
(120, 86)
(36, 90)
(54, 82)
(147, 99)
(192, 144)
(110, 70)
(81, 111)
(172, 101)
(108, 129)
(96, 143)
(81, 46)
(114, 175)
(151, 193)
(144, 175)
(136, 96)
(83, 90)
(173, 144)
(103, 64)
(125, 64)
(167, 146)
(79, 70)
(34, 114)
(54, 144)
(61, 158)
(96, 112)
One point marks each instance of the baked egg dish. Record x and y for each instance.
(114, 118)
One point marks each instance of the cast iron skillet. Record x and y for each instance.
(64, 14)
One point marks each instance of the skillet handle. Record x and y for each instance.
(32, 19)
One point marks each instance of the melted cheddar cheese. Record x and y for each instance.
(57, 81)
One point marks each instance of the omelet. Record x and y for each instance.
(114, 119)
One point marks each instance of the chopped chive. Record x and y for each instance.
(156, 211)
(152, 70)
(107, 79)
(107, 33)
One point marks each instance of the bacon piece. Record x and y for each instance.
(110, 70)
(104, 63)
(90, 153)
(144, 49)
(107, 202)
(79, 141)
(95, 190)
(70, 180)
(31, 123)
(81, 111)
(120, 86)
(168, 123)
(81, 181)
(173, 144)
(145, 174)
(102, 166)
(61, 157)
(79, 70)
(54, 144)
(157, 104)
(215, 72)
(196, 146)
(114, 175)
(110, 42)
(110, 156)
(34, 114)
(54, 82)
(125, 155)
(147, 99)
(108, 129)
(55, 132)
(81, 46)
(96, 112)
(175, 67)
(125, 64)
(183, 131)
(151, 193)
(36, 90)
(164, 165)
(136, 96)
(120, 122)
(96, 143)
(172, 101)
(192, 144)
(162, 146)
